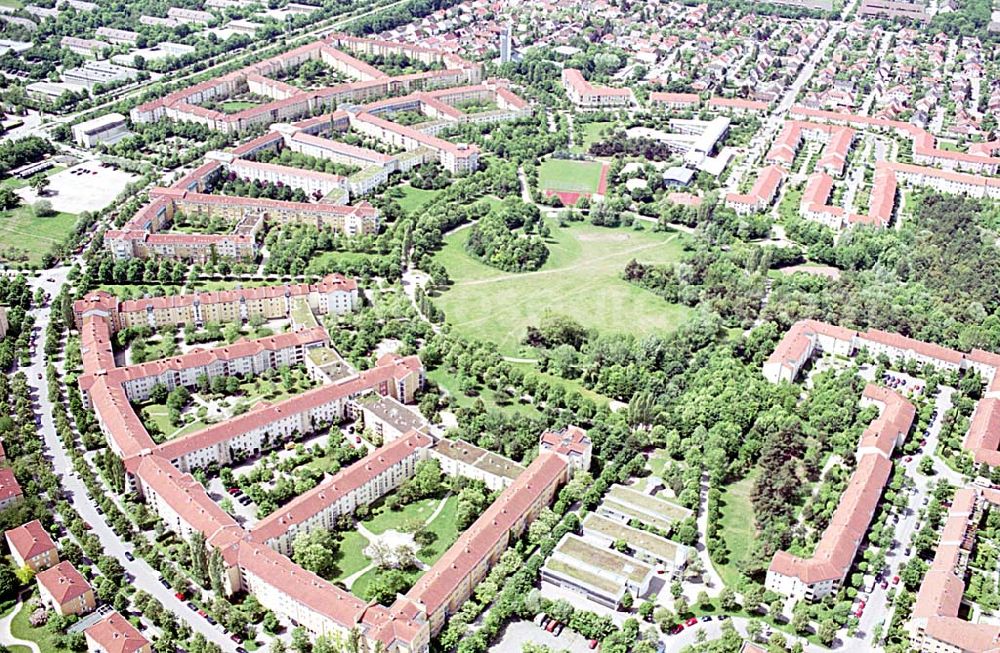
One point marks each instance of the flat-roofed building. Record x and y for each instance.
(643, 504)
(92, 73)
(387, 418)
(601, 574)
(108, 128)
(652, 549)
(460, 458)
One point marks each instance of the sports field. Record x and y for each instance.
(582, 279)
(566, 175)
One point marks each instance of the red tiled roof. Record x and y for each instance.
(30, 540)
(331, 489)
(9, 488)
(114, 634)
(63, 582)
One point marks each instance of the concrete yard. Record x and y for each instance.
(75, 193)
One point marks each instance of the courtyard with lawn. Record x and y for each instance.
(205, 407)
(582, 278)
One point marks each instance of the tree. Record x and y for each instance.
(42, 209)
(316, 551)
(827, 631)
(40, 183)
(271, 624)
(386, 585)
(9, 583)
(199, 557)
(646, 610)
(627, 600)
(727, 599)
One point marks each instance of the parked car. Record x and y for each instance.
(895, 580)
(693, 621)
(592, 643)
(676, 629)
(180, 596)
(129, 556)
(707, 617)
(210, 620)
(192, 607)
(551, 625)
(539, 619)
(236, 638)
(558, 629)
(202, 613)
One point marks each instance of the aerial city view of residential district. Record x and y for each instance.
(499, 326)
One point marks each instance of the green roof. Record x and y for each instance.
(603, 559)
(659, 547)
(648, 503)
(605, 585)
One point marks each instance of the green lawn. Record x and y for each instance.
(414, 198)
(386, 519)
(16, 4)
(736, 527)
(235, 106)
(444, 527)
(566, 175)
(47, 641)
(591, 134)
(23, 237)
(581, 279)
(351, 559)
(325, 262)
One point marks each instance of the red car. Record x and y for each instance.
(858, 613)
(908, 459)
(693, 621)
(180, 596)
(676, 629)
(861, 604)
(202, 613)
(551, 626)
(592, 643)
(895, 580)
(236, 638)
(357, 440)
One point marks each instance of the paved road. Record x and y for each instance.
(146, 578)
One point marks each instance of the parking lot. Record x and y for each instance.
(83, 187)
(518, 632)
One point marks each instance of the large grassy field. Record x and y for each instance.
(566, 175)
(582, 279)
(736, 528)
(414, 198)
(22, 233)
